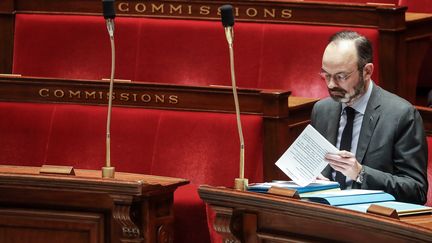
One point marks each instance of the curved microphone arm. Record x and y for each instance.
(108, 170)
(241, 183)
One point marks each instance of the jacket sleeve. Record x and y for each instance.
(408, 181)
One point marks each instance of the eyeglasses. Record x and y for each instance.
(338, 77)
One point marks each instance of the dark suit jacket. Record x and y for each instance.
(392, 144)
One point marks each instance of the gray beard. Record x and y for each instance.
(347, 98)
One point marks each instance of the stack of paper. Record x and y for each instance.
(401, 208)
(319, 185)
(348, 197)
(361, 200)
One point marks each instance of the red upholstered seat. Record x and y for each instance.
(24, 135)
(169, 143)
(187, 204)
(266, 55)
(429, 173)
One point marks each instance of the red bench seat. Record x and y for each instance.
(169, 143)
(267, 56)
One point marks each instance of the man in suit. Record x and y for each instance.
(387, 147)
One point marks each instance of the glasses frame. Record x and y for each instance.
(339, 77)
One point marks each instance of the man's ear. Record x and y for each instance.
(368, 71)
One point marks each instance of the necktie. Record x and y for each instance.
(345, 143)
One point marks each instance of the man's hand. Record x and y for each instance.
(345, 162)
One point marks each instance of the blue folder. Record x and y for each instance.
(315, 186)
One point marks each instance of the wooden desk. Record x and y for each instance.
(253, 217)
(85, 208)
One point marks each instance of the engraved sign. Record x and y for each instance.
(202, 10)
(130, 97)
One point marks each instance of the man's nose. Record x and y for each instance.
(331, 83)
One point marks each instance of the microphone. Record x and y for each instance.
(108, 9)
(227, 17)
(109, 15)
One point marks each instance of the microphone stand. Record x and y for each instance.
(108, 170)
(240, 183)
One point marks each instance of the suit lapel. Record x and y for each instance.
(370, 119)
(333, 114)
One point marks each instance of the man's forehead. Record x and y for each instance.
(342, 52)
(341, 47)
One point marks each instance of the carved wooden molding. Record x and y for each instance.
(123, 214)
(227, 224)
(165, 234)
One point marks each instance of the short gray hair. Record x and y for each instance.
(362, 44)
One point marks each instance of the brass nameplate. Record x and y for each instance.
(10, 75)
(57, 169)
(284, 192)
(116, 80)
(383, 211)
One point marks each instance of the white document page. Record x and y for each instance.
(304, 159)
(349, 192)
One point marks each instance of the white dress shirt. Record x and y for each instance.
(360, 107)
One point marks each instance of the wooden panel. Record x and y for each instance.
(148, 95)
(85, 207)
(257, 217)
(23, 225)
(7, 6)
(7, 23)
(7, 20)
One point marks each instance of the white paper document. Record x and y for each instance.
(304, 159)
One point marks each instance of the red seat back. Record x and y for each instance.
(200, 146)
(273, 56)
(418, 6)
(429, 173)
